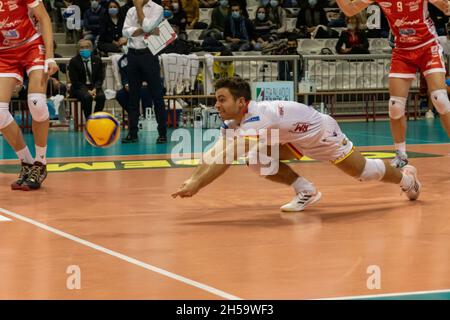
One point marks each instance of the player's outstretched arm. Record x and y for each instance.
(47, 34)
(214, 164)
(352, 7)
(443, 5)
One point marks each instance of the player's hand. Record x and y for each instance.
(154, 32)
(187, 189)
(51, 67)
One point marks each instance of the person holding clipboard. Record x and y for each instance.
(142, 21)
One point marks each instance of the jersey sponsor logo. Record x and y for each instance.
(300, 127)
(12, 4)
(405, 22)
(11, 34)
(252, 119)
(6, 24)
(407, 32)
(413, 5)
(386, 4)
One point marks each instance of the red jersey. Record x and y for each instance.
(16, 26)
(409, 21)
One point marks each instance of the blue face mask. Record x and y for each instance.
(235, 14)
(167, 13)
(265, 2)
(274, 3)
(261, 16)
(85, 53)
(224, 3)
(113, 11)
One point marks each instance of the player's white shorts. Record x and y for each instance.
(332, 144)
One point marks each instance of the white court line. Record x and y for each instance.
(2, 218)
(128, 259)
(408, 293)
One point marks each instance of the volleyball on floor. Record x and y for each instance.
(102, 129)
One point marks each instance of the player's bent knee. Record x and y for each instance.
(373, 170)
(397, 106)
(37, 103)
(5, 116)
(440, 101)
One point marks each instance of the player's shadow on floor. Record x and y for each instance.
(249, 216)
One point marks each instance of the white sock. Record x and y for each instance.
(406, 181)
(41, 154)
(24, 155)
(303, 185)
(400, 146)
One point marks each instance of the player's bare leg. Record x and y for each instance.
(439, 97)
(37, 103)
(364, 169)
(11, 131)
(398, 90)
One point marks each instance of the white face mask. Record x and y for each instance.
(351, 26)
(175, 6)
(312, 3)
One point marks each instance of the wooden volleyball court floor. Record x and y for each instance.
(104, 226)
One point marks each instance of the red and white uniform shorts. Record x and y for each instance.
(428, 59)
(27, 57)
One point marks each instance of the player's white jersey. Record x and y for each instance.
(295, 121)
(305, 130)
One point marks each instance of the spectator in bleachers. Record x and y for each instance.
(92, 19)
(123, 95)
(353, 40)
(311, 16)
(290, 3)
(208, 3)
(219, 16)
(337, 20)
(87, 73)
(111, 39)
(278, 16)
(191, 7)
(243, 5)
(239, 31)
(264, 28)
(174, 13)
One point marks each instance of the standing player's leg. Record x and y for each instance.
(37, 103)
(306, 192)
(439, 97)
(364, 169)
(11, 131)
(398, 90)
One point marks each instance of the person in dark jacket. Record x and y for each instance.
(87, 73)
(92, 20)
(111, 39)
(239, 31)
(353, 40)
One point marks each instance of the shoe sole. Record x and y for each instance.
(316, 198)
(16, 187)
(413, 171)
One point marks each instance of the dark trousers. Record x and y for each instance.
(144, 66)
(86, 100)
(123, 98)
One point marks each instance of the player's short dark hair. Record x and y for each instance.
(237, 86)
